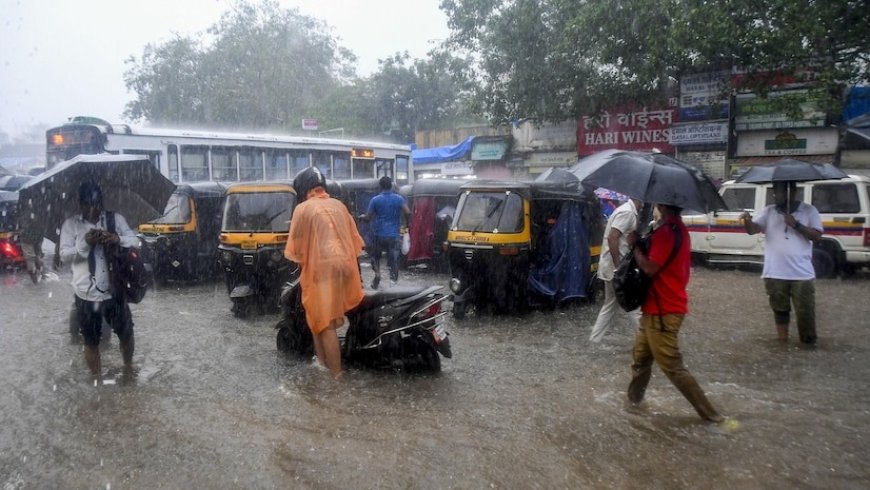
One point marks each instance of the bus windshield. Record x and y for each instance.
(258, 212)
(66, 142)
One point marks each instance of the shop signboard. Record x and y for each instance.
(551, 159)
(627, 128)
(703, 96)
(699, 134)
(711, 162)
(457, 168)
(489, 149)
(755, 113)
(821, 141)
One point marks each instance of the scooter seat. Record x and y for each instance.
(378, 298)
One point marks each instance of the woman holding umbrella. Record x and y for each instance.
(790, 228)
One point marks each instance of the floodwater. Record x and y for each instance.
(526, 402)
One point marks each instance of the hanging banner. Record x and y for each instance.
(627, 129)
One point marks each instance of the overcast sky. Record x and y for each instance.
(62, 58)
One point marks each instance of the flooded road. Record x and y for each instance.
(525, 402)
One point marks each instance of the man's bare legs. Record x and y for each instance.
(782, 332)
(92, 359)
(328, 349)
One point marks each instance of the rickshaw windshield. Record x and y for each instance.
(177, 210)
(489, 212)
(258, 212)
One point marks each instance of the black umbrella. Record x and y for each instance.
(651, 178)
(131, 185)
(556, 174)
(791, 170)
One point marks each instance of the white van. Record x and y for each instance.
(844, 206)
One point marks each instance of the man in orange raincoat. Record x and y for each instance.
(324, 241)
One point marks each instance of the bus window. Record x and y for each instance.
(363, 168)
(194, 163)
(341, 167)
(299, 160)
(384, 167)
(276, 164)
(250, 164)
(154, 156)
(172, 151)
(402, 163)
(223, 164)
(323, 161)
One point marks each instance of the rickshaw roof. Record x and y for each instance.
(201, 189)
(8, 196)
(437, 187)
(532, 189)
(364, 184)
(261, 186)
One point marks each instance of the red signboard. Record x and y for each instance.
(626, 128)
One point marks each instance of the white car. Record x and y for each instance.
(844, 205)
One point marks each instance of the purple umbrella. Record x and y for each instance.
(603, 193)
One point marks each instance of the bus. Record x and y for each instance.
(186, 156)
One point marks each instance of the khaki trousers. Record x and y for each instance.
(657, 342)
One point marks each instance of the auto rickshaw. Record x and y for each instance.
(183, 243)
(514, 244)
(254, 232)
(11, 254)
(433, 205)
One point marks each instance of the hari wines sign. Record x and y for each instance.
(626, 129)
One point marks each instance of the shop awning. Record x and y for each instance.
(443, 154)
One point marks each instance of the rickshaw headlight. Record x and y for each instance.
(227, 257)
(455, 285)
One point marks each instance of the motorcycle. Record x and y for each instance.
(401, 328)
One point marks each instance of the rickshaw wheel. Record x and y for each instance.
(283, 339)
(460, 310)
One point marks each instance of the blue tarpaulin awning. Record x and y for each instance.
(443, 153)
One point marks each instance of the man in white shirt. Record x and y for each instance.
(790, 227)
(85, 241)
(622, 221)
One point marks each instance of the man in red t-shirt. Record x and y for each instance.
(663, 311)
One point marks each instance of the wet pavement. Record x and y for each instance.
(526, 402)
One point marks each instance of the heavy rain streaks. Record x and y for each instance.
(526, 401)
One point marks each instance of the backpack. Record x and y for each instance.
(630, 283)
(128, 273)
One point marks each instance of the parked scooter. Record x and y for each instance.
(399, 328)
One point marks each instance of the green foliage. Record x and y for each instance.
(264, 67)
(557, 59)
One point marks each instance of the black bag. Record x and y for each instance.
(630, 283)
(129, 275)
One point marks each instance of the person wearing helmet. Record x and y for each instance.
(325, 243)
(386, 209)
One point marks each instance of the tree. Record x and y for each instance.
(263, 67)
(561, 58)
(407, 95)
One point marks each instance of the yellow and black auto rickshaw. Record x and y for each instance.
(183, 243)
(516, 244)
(254, 232)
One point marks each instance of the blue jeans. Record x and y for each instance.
(391, 245)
